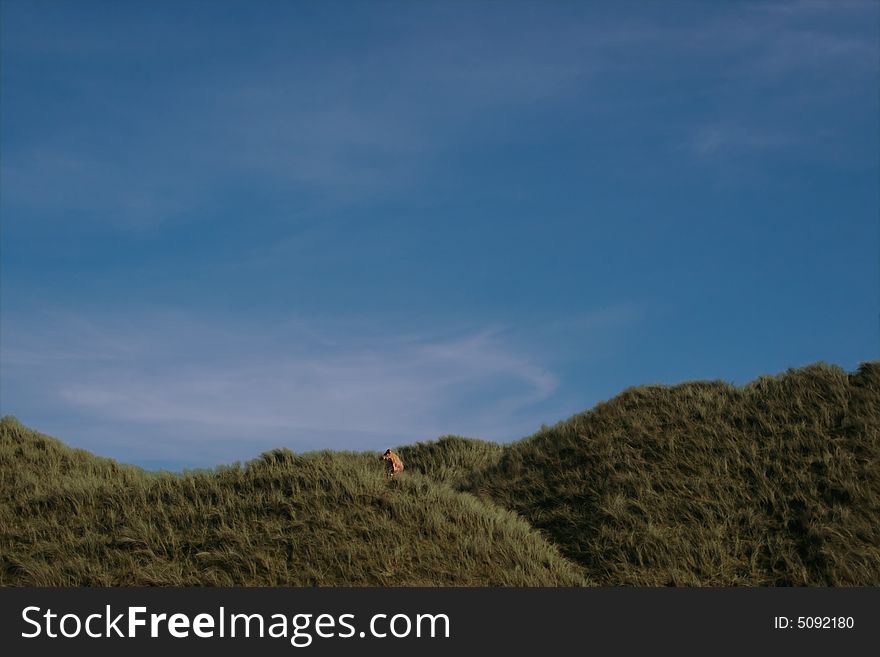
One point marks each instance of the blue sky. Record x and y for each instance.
(233, 226)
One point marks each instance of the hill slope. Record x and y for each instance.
(452, 460)
(322, 519)
(775, 483)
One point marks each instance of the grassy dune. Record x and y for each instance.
(325, 519)
(451, 460)
(774, 483)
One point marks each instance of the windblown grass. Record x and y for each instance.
(704, 483)
(775, 483)
(321, 519)
(451, 460)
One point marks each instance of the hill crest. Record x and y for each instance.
(701, 483)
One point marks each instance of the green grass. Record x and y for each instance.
(319, 519)
(704, 483)
(451, 460)
(775, 483)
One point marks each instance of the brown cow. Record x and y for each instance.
(393, 464)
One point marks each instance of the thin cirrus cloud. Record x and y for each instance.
(759, 79)
(439, 164)
(93, 189)
(375, 123)
(348, 128)
(257, 388)
(732, 138)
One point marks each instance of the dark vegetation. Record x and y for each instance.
(704, 483)
(775, 483)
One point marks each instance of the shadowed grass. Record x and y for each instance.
(775, 483)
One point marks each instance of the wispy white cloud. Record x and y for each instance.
(167, 374)
(337, 129)
(711, 139)
(74, 186)
(813, 8)
(783, 62)
(340, 128)
(615, 317)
